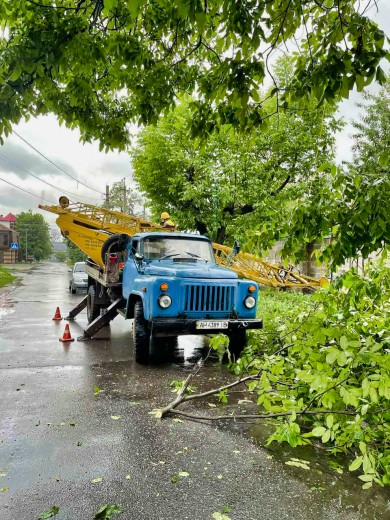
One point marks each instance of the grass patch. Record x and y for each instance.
(276, 308)
(5, 276)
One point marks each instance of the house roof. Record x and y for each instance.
(8, 218)
(4, 228)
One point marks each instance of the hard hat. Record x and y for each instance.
(164, 215)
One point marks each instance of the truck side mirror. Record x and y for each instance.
(138, 258)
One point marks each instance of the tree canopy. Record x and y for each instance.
(101, 64)
(34, 233)
(352, 207)
(234, 182)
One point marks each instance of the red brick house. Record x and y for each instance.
(8, 235)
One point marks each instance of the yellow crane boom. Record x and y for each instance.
(88, 227)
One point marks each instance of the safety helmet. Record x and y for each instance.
(164, 215)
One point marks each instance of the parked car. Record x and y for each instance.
(78, 278)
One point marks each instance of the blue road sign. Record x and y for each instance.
(14, 245)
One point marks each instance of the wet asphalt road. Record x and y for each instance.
(56, 436)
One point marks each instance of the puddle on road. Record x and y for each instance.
(5, 312)
(328, 478)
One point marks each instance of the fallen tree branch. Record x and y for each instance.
(181, 398)
(236, 417)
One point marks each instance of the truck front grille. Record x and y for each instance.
(208, 298)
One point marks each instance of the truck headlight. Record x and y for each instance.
(164, 301)
(249, 302)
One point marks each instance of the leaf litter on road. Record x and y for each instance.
(49, 513)
(107, 511)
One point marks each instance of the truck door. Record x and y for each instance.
(130, 270)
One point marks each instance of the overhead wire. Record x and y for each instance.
(39, 179)
(28, 192)
(56, 165)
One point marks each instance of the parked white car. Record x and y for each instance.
(78, 278)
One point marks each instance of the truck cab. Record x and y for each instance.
(171, 285)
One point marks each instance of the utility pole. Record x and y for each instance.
(107, 196)
(26, 244)
(124, 195)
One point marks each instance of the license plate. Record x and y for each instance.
(212, 325)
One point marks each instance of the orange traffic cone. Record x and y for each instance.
(66, 337)
(57, 315)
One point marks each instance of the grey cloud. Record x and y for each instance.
(116, 167)
(14, 201)
(23, 160)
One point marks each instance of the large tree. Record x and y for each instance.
(34, 233)
(100, 64)
(352, 206)
(234, 181)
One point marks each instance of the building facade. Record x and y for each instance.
(8, 236)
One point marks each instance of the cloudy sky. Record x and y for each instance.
(19, 162)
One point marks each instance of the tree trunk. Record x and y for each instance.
(221, 235)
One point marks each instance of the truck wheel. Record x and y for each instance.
(141, 334)
(116, 243)
(237, 342)
(93, 309)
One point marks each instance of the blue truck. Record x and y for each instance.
(169, 284)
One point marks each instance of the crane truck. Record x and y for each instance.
(168, 282)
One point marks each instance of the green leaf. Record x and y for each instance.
(220, 516)
(359, 83)
(107, 511)
(200, 21)
(110, 4)
(380, 76)
(367, 478)
(318, 431)
(49, 513)
(356, 463)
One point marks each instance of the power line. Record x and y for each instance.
(39, 179)
(54, 164)
(28, 192)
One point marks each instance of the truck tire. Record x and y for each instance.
(141, 334)
(93, 309)
(115, 243)
(237, 343)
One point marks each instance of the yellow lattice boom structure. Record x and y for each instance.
(263, 272)
(88, 227)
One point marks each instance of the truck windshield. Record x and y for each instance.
(159, 248)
